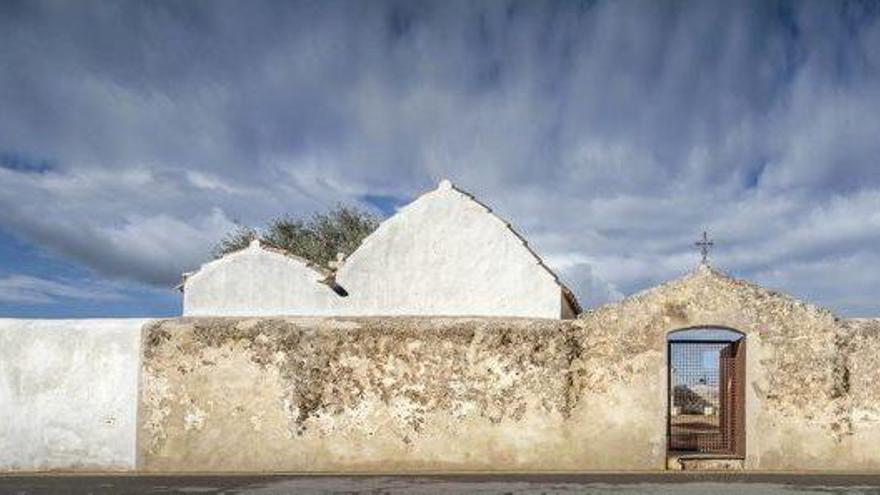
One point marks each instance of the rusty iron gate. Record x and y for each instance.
(706, 397)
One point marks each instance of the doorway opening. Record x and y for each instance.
(706, 405)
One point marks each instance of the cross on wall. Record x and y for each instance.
(705, 246)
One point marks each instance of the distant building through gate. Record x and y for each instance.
(706, 413)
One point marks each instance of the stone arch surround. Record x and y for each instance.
(797, 404)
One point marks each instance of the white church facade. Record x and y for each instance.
(444, 254)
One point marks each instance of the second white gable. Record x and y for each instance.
(258, 281)
(447, 254)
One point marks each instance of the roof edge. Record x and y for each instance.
(706, 270)
(326, 275)
(566, 291)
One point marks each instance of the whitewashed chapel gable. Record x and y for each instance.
(447, 254)
(444, 254)
(258, 281)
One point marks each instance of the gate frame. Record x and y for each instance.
(740, 451)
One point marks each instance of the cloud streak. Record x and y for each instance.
(34, 290)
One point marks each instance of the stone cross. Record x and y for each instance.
(705, 246)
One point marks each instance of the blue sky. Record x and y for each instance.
(133, 135)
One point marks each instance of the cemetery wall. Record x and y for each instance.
(68, 394)
(801, 365)
(383, 394)
(427, 394)
(501, 394)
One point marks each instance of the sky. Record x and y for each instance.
(134, 135)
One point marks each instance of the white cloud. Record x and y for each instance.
(611, 134)
(590, 289)
(34, 290)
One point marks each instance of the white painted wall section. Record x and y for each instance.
(258, 281)
(447, 254)
(68, 394)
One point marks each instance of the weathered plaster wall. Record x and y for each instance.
(430, 393)
(258, 281)
(363, 394)
(798, 409)
(861, 382)
(68, 394)
(383, 394)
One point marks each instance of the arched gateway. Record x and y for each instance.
(706, 407)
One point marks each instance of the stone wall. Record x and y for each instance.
(360, 395)
(346, 394)
(860, 381)
(461, 394)
(797, 370)
(68, 394)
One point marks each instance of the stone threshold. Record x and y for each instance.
(704, 462)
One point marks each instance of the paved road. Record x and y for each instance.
(618, 484)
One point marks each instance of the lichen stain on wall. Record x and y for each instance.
(393, 384)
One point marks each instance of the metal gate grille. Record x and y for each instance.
(706, 397)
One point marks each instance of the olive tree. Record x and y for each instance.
(318, 238)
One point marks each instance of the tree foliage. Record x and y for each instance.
(236, 240)
(317, 239)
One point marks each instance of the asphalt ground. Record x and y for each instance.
(605, 483)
